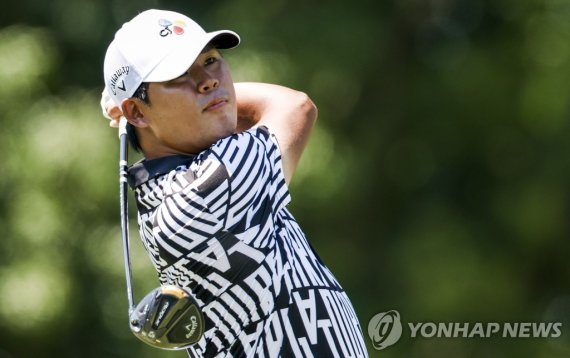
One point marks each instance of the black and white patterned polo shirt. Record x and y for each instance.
(217, 224)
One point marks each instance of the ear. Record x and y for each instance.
(131, 108)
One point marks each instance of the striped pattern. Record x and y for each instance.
(218, 226)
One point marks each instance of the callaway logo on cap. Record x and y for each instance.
(156, 46)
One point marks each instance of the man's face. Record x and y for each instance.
(193, 111)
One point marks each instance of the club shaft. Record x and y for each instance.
(123, 192)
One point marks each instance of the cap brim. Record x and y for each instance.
(224, 39)
(179, 60)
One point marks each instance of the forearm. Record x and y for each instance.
(251, 103)
(262, 103)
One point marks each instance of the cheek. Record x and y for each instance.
(177, 107)
(227, 78)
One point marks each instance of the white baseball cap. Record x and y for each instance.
(156, 46)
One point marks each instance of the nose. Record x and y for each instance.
(208, 83)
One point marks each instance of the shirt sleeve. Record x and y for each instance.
(249, 164)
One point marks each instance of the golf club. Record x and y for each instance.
(167, 317)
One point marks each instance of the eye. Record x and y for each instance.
(210, 60)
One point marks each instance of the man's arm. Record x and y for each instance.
(289, 115)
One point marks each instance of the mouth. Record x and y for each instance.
(215, 104)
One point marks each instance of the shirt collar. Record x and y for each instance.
(145, 170)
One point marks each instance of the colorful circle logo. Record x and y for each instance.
(177, 27)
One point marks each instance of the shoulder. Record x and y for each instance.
(251, 145)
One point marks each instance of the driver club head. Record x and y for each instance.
(168, 318)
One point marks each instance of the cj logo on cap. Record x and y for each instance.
(177, 27)
(385, 329)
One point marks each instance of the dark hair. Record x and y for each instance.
(142, 94)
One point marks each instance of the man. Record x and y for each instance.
(212, 192)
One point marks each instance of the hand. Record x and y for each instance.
(110, 109)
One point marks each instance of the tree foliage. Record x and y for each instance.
(436, 182)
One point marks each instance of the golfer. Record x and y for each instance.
(212, 192)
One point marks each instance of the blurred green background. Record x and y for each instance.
(435, 184)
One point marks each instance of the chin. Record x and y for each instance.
(229, 128)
